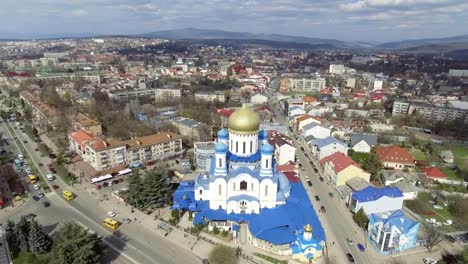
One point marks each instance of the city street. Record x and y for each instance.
(131, 243)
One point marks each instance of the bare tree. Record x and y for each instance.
(432, 236)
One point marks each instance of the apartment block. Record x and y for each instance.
(193, 130)
(436, 113)
(142, 95)
(211, 97)
(307, 84)
(165, 94)
(86, 123)
(44, 116)
(400, 108)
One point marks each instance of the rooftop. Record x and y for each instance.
(340, 161)
(373, 194)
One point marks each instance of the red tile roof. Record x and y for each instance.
(289, 166)
(302, 118)
(394, 154)
(340, 161)
(309, 99)
(81, 137)
(434, 172)
(225, 112)
(292, 176)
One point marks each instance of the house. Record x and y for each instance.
(284, 150)
(327, 146)
(296, 110)
(434, 173)
(395, 157)
(224, 114)
(86, 123)
(259, 99)
(392, 232)
(390, 177)
(363, 142)
(374, 200)
(315, 130)
(305, 120)
(340, 168)
(407, 188)
(446, 156)
(192, 130)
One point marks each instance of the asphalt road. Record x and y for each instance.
(131, 243)
(337, 221)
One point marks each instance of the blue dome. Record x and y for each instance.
(223, 134)
(267, 149)
(221, 148)
(263, 134)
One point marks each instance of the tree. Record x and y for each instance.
(361, 218)
(77, 245)
(11, 238)
(373, 165)
(39, 242)
(432, 236)
(155, 191)
(223, 255)
(135, 189)
(460, 258)
(22, 234)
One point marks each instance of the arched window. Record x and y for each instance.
(234, 186)
(251, 146)
(243, 147)
(243, 185)
(251, 186)
(266, 163)
(219, 189)
(266, 190)
(220, 163)
(201, 192)
(237, 146)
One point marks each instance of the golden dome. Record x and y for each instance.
(244, 121)
(308, 228)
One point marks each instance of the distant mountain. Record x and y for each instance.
(408, 44)
(195, 33)
(19, 36)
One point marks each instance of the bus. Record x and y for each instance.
(32, 179)
(110, 223)
(68, 195)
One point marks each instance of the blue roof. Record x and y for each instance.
(235, 227)
(309, 126)
(250, 159)
(396, 219)
(320, 143)
(295, 108)
(223, 134)
(263, 134)
(371, 193)
(221, 148)
(267, 149)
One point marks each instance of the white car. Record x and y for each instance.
(111, 214)
(307, 178)
(50, 177)
(28, 170)
(429, 261)
(37, 186)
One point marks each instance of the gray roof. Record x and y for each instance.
(405, 186)
(357, 184)
(392, 175)
(370, 139)
(309, 138)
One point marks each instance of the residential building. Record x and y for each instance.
(296, 110)
(284, 150)
(192, 130)
(434, 173)
(351, 82)
(340, 168)
(125, 96)
(204, 151)
(374, 200)
(325, 147)
(392, 232)
(436, 113)
(86, 123)
(400, 108)
(211, 97)
(167, 94)
(458, 73)
(408, 189)
(363, 142)
(258, 99)
(307, 84)
(390, 177)
(104, 154)
(316, 130)
(395, 157)
(44, 116)
(337, 69)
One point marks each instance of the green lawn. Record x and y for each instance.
(451, 174)
(271, 259)
(417, 154)
(461, 156)
(28, 258)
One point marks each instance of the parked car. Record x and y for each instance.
(361, 247)
(98, 187)
(55, 187)
(350, 241)
(37, 186)
(115, 182)
(52, 156)
(315, 169)
(317, 198)
(307, 178)
(35, 198)
(40, 195)
(46, 204)
(126, 220)
(111, 214)
(331, 195)
(309, 183)
(29, 216)
(322, 209)
(105, 184)
(350, 257)
(321, 178)
(428, 260)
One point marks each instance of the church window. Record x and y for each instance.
(219, 189)
(251, 186)
(266, 190)
(251, 146)
(266, 163)
(237, 146)
(243, 147)
(243, 185)
(201, 192)
(220, 163)
(234, 186)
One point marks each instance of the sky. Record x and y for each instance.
(366, 20)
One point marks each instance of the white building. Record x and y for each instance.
(307, 84)
(211, 97)
(374, 200)
(337, 69)
(258, 99)
(167, 94)
(315, 130)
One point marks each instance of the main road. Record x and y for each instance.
(131, 243)
(337, 221)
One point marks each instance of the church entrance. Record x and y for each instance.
(243, 232)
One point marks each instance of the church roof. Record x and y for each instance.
(244, 121)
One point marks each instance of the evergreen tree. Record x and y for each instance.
(22, 234)
(135, 189)
(11, 238)
(155, 190)
(361, 218)
(39, 242)
(77, 246)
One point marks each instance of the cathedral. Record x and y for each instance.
(242, 192)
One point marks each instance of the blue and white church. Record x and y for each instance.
(243, 186)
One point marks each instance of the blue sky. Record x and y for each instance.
(368, 20)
